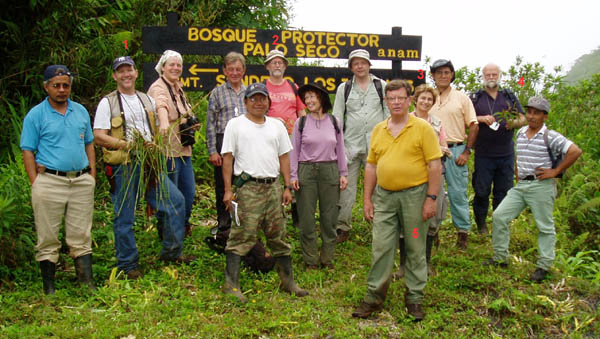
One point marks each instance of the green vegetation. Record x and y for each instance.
(585, 66)
(464, 299)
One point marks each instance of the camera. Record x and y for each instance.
(187, 131)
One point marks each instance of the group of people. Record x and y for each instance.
(263, 134)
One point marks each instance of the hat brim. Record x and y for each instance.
(253, 93)
(277, 56)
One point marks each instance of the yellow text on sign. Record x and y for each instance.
(330, 38)
(218, 34)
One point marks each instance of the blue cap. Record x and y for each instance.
(55, 70)
(257, 88)
(124, 60)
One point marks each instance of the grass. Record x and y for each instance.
(464, 299)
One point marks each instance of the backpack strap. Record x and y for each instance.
(548, 148)
(379, 89)
(475, 96)
(511, 97)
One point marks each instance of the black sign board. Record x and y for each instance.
(204, 77)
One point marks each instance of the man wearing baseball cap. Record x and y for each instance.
(121, 116)
(59, 157)
(539, 151)
(456, 112)
(359, 106)
(260, 146)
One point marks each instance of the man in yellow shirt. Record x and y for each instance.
(456, 111)
(403, 175)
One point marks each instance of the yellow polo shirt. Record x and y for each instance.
(456, 112)
(402, 161)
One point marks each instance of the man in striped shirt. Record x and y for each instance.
(535, 187)
(225, 103)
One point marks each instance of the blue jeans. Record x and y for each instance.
(458, 180)
(164, 198)
(500, 172)
(181, 174)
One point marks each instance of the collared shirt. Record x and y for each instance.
(533, 153)
(456, 113)
(490, 143)
(402, 161)
(160, 92)
(58, 140)
(363, 112)
(224, 104)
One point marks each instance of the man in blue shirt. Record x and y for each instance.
(58, 153)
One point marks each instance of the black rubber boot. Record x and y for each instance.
(48, 268)
(428, 247)
(83, 270)
(295, 219)
(284, 268)
(481, 224)
(232, 277)
(400, 273)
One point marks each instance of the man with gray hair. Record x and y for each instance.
(542, 154)
(498, 113)
(359, 106)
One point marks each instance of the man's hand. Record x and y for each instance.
(429, 208)
(343, 183)
(463, 158)
(546, 173)
(215, 159)
(295, 185)
(486, 119)
(227, 197)
(368, 209)
(287, 197)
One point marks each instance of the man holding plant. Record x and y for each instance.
(125, 126)
(498, 113)
(59, 157)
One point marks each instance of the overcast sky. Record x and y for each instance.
(468, 32)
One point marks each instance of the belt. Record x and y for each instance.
(454, 144)
(264, 180)
(529, 177)
(72, 174)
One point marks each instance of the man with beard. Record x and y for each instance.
(59, 157)
(494, 149)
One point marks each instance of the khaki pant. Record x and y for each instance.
(54, 197)
(348, 196)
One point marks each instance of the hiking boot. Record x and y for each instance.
(482, 225)
(48, 269)
(310, 267)
(328, 266)
(232, 277)
(284, 269)
(342, 236)
(400, 273)
(188, 230)
(83, 270)
(539, 275)
(134, 274)
(182, 259)
(415, 310)
(364, 310)
(492, 262)
(428, 247)
(462, 239)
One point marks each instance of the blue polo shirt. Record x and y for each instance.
(58, 141)
(490, 143)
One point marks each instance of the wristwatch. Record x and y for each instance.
(468, 149)
(432, 196)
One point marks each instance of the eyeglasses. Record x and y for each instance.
(59, 85)
(277, 62)
(258, 98)
(394, 99)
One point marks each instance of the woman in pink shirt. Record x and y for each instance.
(318, 172)
(424, 98)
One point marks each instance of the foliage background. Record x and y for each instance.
(464, 300)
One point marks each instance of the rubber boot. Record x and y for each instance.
(462, 240)
(48, 268)
(295, 219)
(232, 277)
(428, 247)
(83, 270)
(284, 268)
(400, 273)
(481, 224)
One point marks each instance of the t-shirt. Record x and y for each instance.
(58, 140)
(402, 161)
(284, 103)
(318, 142)
(490, 143)
(135, 116)
(456, 113)
(256, 147)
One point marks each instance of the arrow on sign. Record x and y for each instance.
(194, 70)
